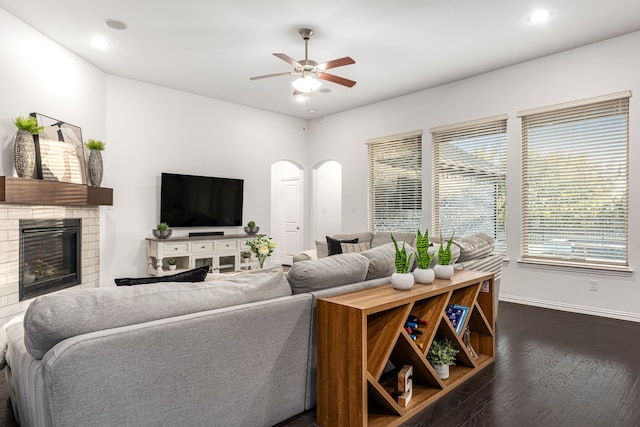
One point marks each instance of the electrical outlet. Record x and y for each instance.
(593, 285)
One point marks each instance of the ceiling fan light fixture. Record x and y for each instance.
(306, 84)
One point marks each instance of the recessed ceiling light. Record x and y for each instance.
(539, 16)
(115, 24)
(99, 42)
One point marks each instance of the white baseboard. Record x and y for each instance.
(614, 314)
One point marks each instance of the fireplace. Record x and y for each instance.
(50, 255)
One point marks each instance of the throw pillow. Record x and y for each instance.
(195, 275)
(334, 245)
(348, 248)
(329, 272)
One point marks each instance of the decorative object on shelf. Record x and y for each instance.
(262, 246)
(172, 263)
(246, 256)
(94, 168)
(423, 274)
(162, 231)
(251, 228)
(467, 342)
(441, 355)
(444, 270)
(59, 151)
(402, 279)
(24, 149)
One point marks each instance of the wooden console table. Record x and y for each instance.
(359, 332)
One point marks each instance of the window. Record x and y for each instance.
(395, 182)
(469, 179)
(575, 182)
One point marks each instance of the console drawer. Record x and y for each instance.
(176, 248)
(225, 245)
(199, 247)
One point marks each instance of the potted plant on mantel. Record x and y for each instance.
(402, 279)
(162, 231)
(444, 269)
(172, 263)
(423, 273)
(95, 167)
(24, 149)
(441, 355)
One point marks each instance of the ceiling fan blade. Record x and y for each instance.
(266, 76)
(335, 79)
(340, 62)
(287, 58)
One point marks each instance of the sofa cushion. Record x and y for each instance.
(473, 246)
(195, 275)
(55, 317)
(384, 237)
(333, 245)
(455, 253)
(382, 260)
(322, 273)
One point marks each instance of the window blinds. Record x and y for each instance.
(575, 182)
(469, 179)
(395, 182)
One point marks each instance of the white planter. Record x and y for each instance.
(442, 371)
(443, 271)
(423, 275)
(172, 267)
(402, 281)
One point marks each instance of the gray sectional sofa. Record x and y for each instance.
(237, 351)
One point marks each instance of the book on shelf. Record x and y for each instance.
(457, 314)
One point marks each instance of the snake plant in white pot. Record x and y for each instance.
(423, 273)
(444, 269)
(402, 279)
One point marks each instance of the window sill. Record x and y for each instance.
(585, 268)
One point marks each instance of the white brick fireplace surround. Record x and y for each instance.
(10, 216)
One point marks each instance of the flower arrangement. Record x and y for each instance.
(262, 246)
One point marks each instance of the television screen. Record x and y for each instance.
(200, 201)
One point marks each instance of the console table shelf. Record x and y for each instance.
(362, 344)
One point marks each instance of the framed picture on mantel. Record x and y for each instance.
(59, 151)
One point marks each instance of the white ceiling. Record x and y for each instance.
(212, 47)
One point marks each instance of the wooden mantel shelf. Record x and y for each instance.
(39, 192)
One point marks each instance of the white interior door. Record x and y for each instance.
(291, 219)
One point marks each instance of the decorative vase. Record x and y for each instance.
(261, 260)
(162, 234)
(253, 230)
(402, 281)
(442, 371)
(24, 154)
(443, 271)
(95, 168)
(423, 275)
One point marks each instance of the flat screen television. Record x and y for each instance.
(200, 201)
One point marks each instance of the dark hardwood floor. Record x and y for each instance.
(552, 369)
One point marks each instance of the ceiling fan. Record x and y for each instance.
(309, 71)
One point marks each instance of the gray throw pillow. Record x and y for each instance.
(382, 260)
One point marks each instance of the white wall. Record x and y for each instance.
(151, 130)
(327, 200)
(598, 69)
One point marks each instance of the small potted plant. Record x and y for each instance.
(423, 273)
(162, 231)
(24, 150)
(441, 355)
(246, 255)
(172, 263)
(444, 269)
(251, 228)
(402, 279)
(95, 168)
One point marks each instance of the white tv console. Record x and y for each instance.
(223, 254)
